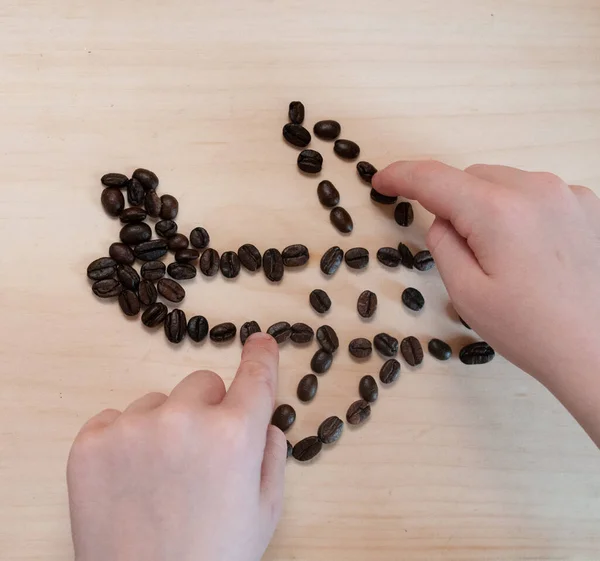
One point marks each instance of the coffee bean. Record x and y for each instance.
(307, 388)
(230, 264)
(331, 260)
(128, 277)
(330, 430)
(283, 417)
(366, 171)
(295, 255)
(411, 350)
(250, 257)
(247, 329)
(132, 215)
(121, 253)
(389, 256)
(147, 178)
(413, 299)
(147, 293)
(464, 322)
(390, 371)
(358, 412)
(327, 130)
(154, 315)
(310, 161)
(439, 349)
(181, 271)
(152, 203)
(366, 304)
(113, 201)
(296, 112)
(223, 332)
(280, 331)
(186, 255)
(302, 333)
(320, 301)
(357, 258)
(166, 228)
(341, 220)
(346, 149)
(327, 338)
(328, 195)
(360, 348)
(424, 261)
(103, 268)
(367, 388)
(273, 264)
(107, 288)
(114, 180)
(296, 135)
(475, 353)
(382, 199)
(169, 208)
(307, 449)
(130, 305)
(407, 256)
(153, 270)
(177, 242)
(209, 262)
(199, 238)
(320, 362)
(290, 448)
(197, 328)
(386, 344)
(135, 192)
(133, 234)
(403, 214)
(150, 251)
(171, 290)
(175, 326)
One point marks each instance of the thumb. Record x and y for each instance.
(273, 473)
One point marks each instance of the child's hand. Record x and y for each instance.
(196, 476)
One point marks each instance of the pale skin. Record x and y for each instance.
(198, 475)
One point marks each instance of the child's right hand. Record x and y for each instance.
(519, 253)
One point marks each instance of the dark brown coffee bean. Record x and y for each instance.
(114, 180)
(171, 290)
(273, 264)
(307, 449)
(132, 215)
(367, 388)
(177, 242)
(135, 192)
(358, 412)
(357, 258)
(113, 201)
(247, 329)
(407, 256)
(360, 348)
(134, 234)
(382, 199)
(327, 338)
(223, 332)
(152, 203)
(169, 208)
(439, 349)
(107, 288)
(199, 238)
(186, 255)
(230, 264)
(413, 299)
(130, 305)
(327, 130)
(128, 277)
(320, 362)
(295, 255)
(330, 430)
(209, 262)
(403, 214)
(103, 268)
(296, 135)
(250, 257)
(424, 261)
(153, 270)
(181, 271)
(154, 315)
(296, 112)
(346, 149)
(310, 161)
(390, 371)
(307, 388)
(121, 253)
(150, 251)
(302, 333)
(147, 293)
(475, 353)
(166, 228)
(411, 350)
(283, 417)
(341, 220)
(197, 328)
(386, 344)
(366, 304)
(366, 171)
(328, 195)
(290, 448)
(175, 326)
(147, 178)
(331, 260)
(389, 256)
(280, 331)
(320, 301)
(464, 322)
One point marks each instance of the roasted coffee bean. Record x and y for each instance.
(307, 449)
(328, 195)
(319, 300)
(181, 271)
(135, 192)
(290, 448)
(283, 417)
(128, 277)
(327, 130)
(310, 161)
(296, 112)
(382, 199)
(130, 305)
(153, 270)
(103, 268)
(133, 234)
(327, 338)
(171, 290)
(166, 228)
(121, 253)
(132, 215)
(197, 328)
(366, 171)
(424, 261)
(330, 430)
(147, 178)
(230, 264)
(147, 293)
(107, 288)
(114, 180)
(358, 412)
(152, 203)
(113, 201)
(150, 251)
(247, 329)
(223, 332)
(464, 322)
(389, 256)
(367, 389)
(360, 348)
(439, 349)
(302, 333)
(403, 214)
(169, 208)
(295, 255)
(250, 257)
(296, 135)
(177, 242)
(331, 260)
(280, 331)
(390, 371)
(199, 238)
(176, 326)
(341, 220)
(413, 299)
(407, 256)
(273, 264)
(366, 304)
(186, 255)
(307, 388)
(209, 262)
(411, 350)
(475, 353)
(357, 258)
(154, 315)
(346, 149)
(320, 362)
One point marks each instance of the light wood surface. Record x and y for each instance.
(456, 463)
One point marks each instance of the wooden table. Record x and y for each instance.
(456, 463)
